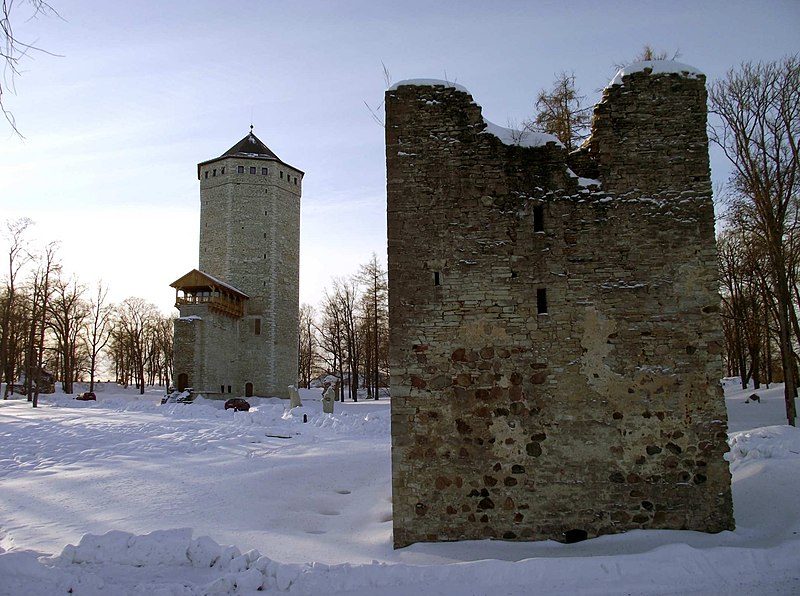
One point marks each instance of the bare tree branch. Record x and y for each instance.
(13, 50)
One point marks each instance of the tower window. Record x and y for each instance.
(222, 388)
(252, 169)
(264, 171)
(258, 326)
(240, 169)
(215, 173)
(437, 279)
(541, 301)
(206, 173)
(538, 218)
(295, 180)
(223, 171)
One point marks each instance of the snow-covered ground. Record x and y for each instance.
(126, 496)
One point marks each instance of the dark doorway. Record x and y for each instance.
(248, 390)
(183, 381)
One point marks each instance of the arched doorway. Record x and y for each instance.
(183, 381)
(248, 390)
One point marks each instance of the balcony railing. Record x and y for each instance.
(218, 303)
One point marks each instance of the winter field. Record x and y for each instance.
(125, 496)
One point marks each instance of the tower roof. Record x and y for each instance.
(250, 147)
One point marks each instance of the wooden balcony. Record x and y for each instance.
(198, 288)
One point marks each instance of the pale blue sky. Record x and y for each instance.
(147, 89)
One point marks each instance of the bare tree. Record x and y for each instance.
(13, 50)
(758, 107)
(15, 335)
(159, 350)
(746, 308)
(68, 315)
(339, 334)
(135, 322)
(17, 258)
(99, 324)
(375, 320)
(560, 112)
(39, 312)
(648, 53)
(308, 345)
(330, 330)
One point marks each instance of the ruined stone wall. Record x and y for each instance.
(554, 348)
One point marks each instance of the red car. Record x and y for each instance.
(87, 396)
(238, 404)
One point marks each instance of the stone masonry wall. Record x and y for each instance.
(209, 350)
(250, 238)
(554, 348)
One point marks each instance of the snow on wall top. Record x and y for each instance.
(656, 67)
(509, 136)
(523, 138)
(427, 83)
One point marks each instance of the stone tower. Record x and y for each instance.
(554, 333)
(238, 329)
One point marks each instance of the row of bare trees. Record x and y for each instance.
(52, 329)
(348, 337)
(757, 126)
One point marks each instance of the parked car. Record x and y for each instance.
(237, 404)
(86, 396)
(186, 396)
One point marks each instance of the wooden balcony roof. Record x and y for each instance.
(199, 288)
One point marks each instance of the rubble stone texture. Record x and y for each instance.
(555, 346)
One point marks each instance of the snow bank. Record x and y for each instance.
(655, 67)
(769, 442)
(176, 564)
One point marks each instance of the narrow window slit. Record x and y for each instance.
(541, 301)
(538, 218)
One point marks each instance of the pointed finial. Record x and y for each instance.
(251, 129)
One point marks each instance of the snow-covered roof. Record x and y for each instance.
(656, 67)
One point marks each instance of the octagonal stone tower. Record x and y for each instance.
(238, 329)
